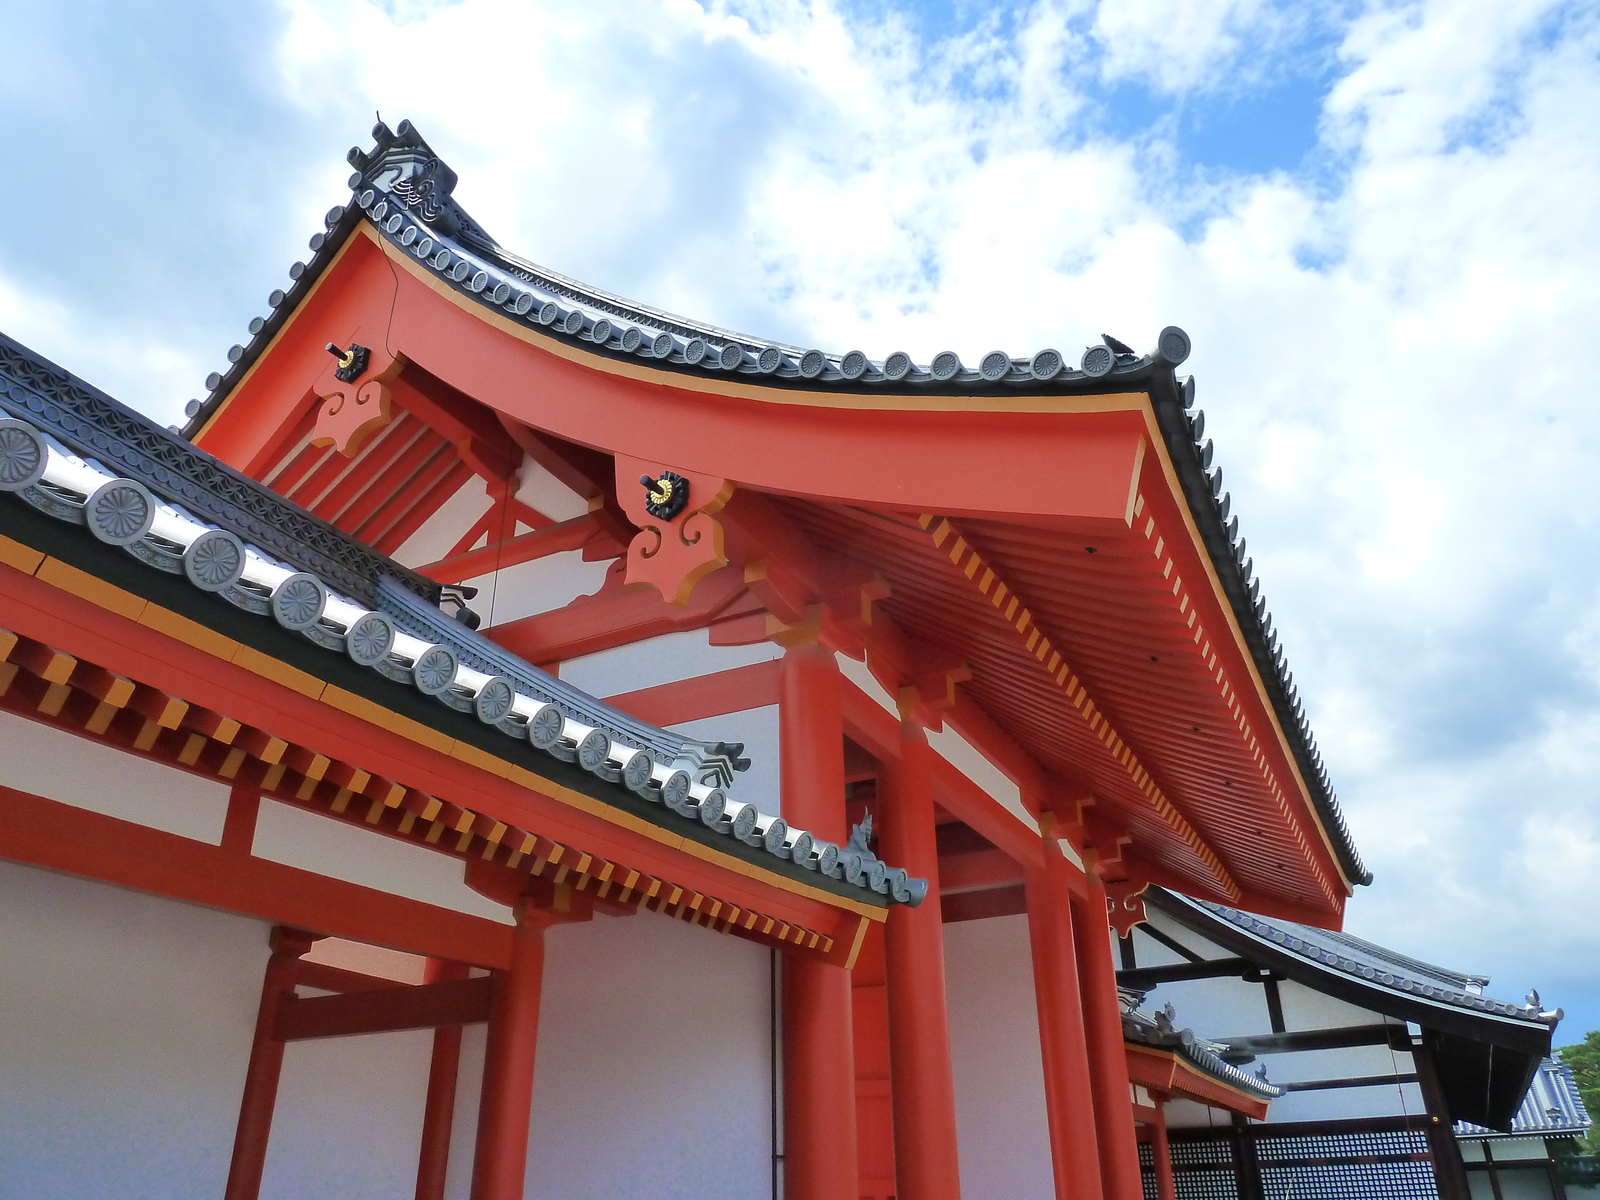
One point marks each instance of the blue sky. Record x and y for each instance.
(1379, 220)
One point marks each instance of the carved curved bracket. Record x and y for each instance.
(671, 554)
(351, 411)
(1125, 905)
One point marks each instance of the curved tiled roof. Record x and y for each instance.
(1160, 1033)
(405, 191)
(1363, 961)
(47, 430)
(1552, 1107)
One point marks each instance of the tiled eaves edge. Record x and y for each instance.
(1246, 928)
(1229, 1076)
(98, 426)
(182, 612)
(1202, 490)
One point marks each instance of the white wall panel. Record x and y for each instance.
(658, 660)
(758, 729)
(126, 1029)
(652, 1077)
(62, 766)
(302, 838)
(435, 536)
(535, 587)
(1001, 1131)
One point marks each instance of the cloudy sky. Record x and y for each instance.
(1380, 222)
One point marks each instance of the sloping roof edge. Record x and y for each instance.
(405, 191)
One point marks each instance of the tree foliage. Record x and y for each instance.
(1584, 1059)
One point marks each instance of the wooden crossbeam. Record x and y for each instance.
(384, 1010)
(166, 728)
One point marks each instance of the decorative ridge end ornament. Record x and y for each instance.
(678, 543)
(353, 397)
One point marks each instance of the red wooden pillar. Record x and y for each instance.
(1069, 1097)
(1108, 1059)
(501, 1161)
(438, 1112)
(266, 1065)
(926, 1166)
(1161, 1152)
(819, 1078)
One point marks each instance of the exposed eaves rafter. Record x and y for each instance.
(1011, 606)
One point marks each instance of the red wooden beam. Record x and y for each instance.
(385, 1010)
(326, 978)
(616, 617)
(713, 695)
(991, 902)
(397, 478)
(553, 539)
(467, 425)
(391, 526)
(378, 453)
(58, 837)
(979, 869)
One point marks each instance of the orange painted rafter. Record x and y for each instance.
(390, 526)
(397, 479)
(1226, 691)
(1011, 606)
(379, 453)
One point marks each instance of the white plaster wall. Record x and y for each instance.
(62, 766)
(652, 1077)
(664, 659)
(535, 587)
(301, 838)
(758, 729)
(435, 536)
(126, 1029)
(1001, 1131)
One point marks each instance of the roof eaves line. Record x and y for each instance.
(1274, 935)
(81, 491)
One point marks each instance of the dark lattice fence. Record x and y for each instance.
(1333, 1160)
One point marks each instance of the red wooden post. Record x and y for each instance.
(819, 1078)
(1161, 1152)
(1069, 1097)
(923, 1092)
(501, 1161)
(438, 1112)
(1108, 1060)
(266, 1065)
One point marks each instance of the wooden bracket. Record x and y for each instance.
(350, 413)
(672, 554)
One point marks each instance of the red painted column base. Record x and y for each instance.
(923, 1091)
(501, 1162)
(1069, 1097)
(438, 1111)
(266, 1065)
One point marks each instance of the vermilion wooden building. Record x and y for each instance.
(891, 683)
